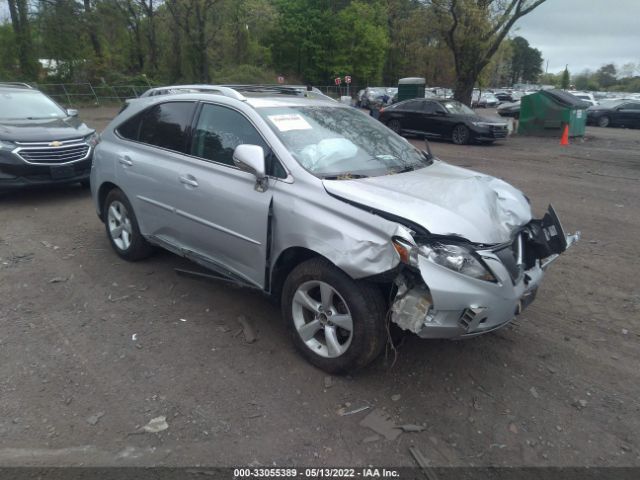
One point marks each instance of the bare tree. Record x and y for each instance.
(193, 18)
(473, 30)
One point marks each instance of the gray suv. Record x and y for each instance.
(354, 230)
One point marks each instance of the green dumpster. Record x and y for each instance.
(412, 87)
(545, 113)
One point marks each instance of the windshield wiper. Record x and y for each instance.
(345, 176)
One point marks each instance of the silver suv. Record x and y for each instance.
(352, 228)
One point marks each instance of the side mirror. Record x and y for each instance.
(72, 112)
(250, 158)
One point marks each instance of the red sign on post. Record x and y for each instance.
(338, 80)
(347, 79)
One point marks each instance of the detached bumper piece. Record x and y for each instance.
(441, 303)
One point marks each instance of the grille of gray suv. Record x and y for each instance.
(48, 153)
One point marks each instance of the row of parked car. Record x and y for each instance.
(350, 227)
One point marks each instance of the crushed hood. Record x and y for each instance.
(444, 199)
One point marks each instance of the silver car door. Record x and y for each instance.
(228, 219)
(147, 166)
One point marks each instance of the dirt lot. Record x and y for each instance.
(558, 387)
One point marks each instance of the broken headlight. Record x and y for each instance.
(454, 257)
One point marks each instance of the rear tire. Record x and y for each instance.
(460, 135)
(604, 121)
(122, 228)
(335, 322)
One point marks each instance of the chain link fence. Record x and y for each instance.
(86, 94)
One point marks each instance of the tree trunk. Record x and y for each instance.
(92, 29)
(464, 89)
(18, 10)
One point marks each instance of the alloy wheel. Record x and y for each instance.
(119, 225)
(322, 319)
(460, 135)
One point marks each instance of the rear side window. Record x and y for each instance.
(165, 125)
(415, 105)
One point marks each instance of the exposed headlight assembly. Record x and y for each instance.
(454, 257)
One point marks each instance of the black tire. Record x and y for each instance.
(460, 135)
(395, 125)
(604, 121)
(364, 302)
(138, 248)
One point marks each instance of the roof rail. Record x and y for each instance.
(16, 85)
(219, 89)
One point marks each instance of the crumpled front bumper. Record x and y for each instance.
(447, 304)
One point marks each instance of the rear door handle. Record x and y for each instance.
(125, 160)
(189, 180)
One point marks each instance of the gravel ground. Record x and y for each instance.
(92, 348)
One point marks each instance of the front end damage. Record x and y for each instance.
(451, 290)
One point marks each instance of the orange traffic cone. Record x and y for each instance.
(564, 141)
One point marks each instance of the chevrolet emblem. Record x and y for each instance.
(55, 144)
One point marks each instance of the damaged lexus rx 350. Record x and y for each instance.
(347, 224)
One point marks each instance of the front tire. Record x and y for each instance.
(337, 323)
(604, 121)
(122, 228)
(460, 135)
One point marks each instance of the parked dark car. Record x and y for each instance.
(510, 109)
(619, 113)
(448, 119)
(503, 96)
(41, 143)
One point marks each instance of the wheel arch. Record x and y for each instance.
(289, 259)
(103, 191)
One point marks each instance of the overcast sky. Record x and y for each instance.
(583, 33)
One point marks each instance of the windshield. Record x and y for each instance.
(457, 108)
(28, 105)
(342, 143)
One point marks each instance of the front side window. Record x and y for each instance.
(28, 105)
(341, 142)
(220, 130)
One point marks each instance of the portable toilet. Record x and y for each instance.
(412, 87)
(547, 112)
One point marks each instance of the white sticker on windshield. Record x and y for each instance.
(285, 123)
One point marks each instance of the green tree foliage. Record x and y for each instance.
(565, 80)
(606, 75)
(451, 43)
(526, 62)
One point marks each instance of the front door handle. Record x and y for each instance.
(125, 160)
(189, 180)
